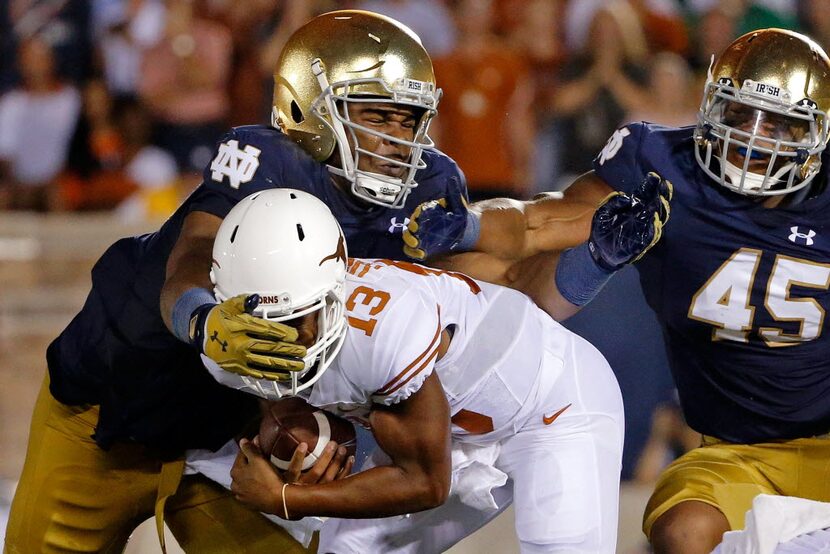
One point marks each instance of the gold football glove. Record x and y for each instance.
(244, 344)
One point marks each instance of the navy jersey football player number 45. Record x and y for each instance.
(741, 291)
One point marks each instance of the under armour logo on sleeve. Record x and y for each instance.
(396, 227)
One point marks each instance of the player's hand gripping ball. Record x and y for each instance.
(437, 227)
(626, 226)
(244, 344)
(291, 421)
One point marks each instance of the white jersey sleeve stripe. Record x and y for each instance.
(430, 352)
(427, 364)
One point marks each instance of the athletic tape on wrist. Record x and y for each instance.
(184, 307)
(578, 277)
(471, 233)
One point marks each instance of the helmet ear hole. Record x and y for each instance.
(296, 112)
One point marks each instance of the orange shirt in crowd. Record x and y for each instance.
(473, 114)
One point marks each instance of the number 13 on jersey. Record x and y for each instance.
(724, 300)
(374, 300)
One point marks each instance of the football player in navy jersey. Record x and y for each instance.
(127, 392)
(740, 280)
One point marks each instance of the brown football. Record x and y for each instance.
(290, 421)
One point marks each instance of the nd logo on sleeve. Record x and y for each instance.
(238, 165)
(613, 145)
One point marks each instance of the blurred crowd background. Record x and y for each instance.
(116, 104)
(114, 107)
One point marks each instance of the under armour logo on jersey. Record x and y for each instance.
(236, 164)
(396, 227)
(613, 145)
(802, 238)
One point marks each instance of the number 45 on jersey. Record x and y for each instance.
(724, 300)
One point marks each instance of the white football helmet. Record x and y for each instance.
(286, 246)
(763, 124)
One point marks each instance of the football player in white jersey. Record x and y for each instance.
(475, 396)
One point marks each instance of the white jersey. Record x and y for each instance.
(538, 399)
(491, 373)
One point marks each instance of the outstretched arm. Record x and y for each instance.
(415, 433)
(555, 265)
(505, 228)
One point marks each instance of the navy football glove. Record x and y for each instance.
(626, 226)
(437, 226)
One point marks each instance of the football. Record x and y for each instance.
(290, 421)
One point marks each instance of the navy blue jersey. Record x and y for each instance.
(740, 291)
(118, 353)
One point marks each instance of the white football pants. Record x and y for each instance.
(564, 478)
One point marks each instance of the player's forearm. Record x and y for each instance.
(566, 226)
(415, 434)
(192, 270)
(504, 228)
(188, 265)
(535, 276)
(378, 492)
(516, 230)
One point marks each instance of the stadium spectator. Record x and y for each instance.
(92, 178)
(430, 19)
(753, 14)
(184, 84)
(535, 29)
(126, 30)
(36, 124)
(65, 25)
(487, 93)
(663, 25)
(8, 47)
(260, 29)
(152, 170)
(667, 99)
(598, 84)
(815, 19)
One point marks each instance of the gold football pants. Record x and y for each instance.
(728, 476)
(75, 497)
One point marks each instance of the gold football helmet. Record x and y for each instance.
(354, 56)
(762, 125)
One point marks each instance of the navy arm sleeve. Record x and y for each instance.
(618, 164)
